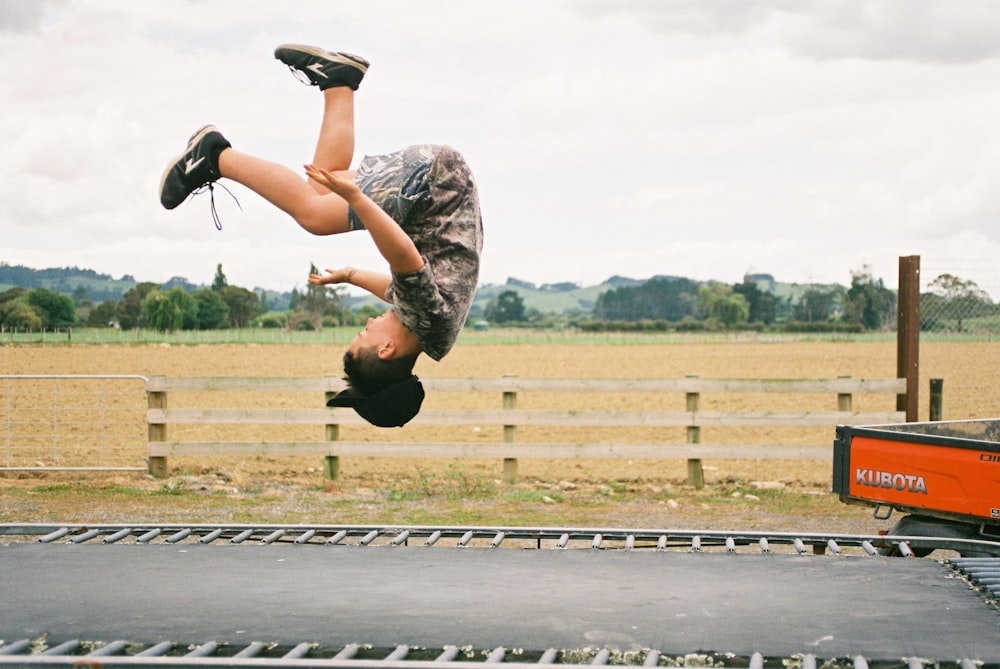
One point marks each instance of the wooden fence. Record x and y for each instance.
(387, 444)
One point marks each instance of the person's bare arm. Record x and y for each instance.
(392, 242)
(375, 283)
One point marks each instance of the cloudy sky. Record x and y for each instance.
(632, 137)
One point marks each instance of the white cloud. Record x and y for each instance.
(633, 138)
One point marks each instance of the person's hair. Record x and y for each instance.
(367, 374)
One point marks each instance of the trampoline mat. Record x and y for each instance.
(678, 603)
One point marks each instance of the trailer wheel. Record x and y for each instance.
(926, 526)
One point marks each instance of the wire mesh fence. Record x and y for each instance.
(73, 422)
(960, 296)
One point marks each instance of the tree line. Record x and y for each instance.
(169, 307)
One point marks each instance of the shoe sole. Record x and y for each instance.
(340, 57)
(198, 135)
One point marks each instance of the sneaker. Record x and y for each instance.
(198, 166)
(322, 68)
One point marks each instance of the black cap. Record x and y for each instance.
(390, 407)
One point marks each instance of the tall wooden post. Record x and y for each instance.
(331, 464)
(908, 335)
(156, 432)
(509, 436)
(696, 473)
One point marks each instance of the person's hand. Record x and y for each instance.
(342, 275)
(340, 181)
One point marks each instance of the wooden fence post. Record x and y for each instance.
(696, 473)
(156, 432)
(937, 399)
(845, 401)
(331, 463)
(908, 334)
(509, 435)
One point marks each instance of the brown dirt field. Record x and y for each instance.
(607, 493)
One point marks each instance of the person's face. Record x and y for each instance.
(377, 331)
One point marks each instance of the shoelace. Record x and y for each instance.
(301, 76)
(210, 186)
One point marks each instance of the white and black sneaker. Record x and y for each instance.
(198, 166)
(318, 67)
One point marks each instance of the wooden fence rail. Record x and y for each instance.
(332, 448)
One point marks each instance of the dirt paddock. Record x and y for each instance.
(740, 494)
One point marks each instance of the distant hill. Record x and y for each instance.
(562, 299)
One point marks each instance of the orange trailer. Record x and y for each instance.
(946, 474)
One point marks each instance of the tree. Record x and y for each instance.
(132, 313)
(868, 302)
(660, 298)
(104, 314)
(243, 304)
(763, 306)
(212, 311)
(55, 309)
(960, 298)
(507, 307)
(19, 315)
(220, 281)
(721, 305)
(817, 305)
(170, 311)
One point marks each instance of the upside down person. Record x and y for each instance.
(420, 206)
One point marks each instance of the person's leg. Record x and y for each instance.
(335, 147)
(285, 189)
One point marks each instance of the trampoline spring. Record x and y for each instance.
(157, 650)
(730, 545)
(305, 536)
(433, 538)
(204, 650)
(630, 542)
(756, 661)
(497, 654)
(868, 548)
(400, 538)
(834, 548)
(563, 540)
(904, 549)
(809, 661)
(86, 536)
(178, 536)
(465, 539)
(765, 547)
(661, 543)
(347, 652)
(497, 540)
(273, 536)
(253, 650)
(652, 659)
(211, 536)
(549, 656)
(117, 536)
(800, 546)
(113, 648)
(860, 662)
(598, 540)
(15, 647)
(52, 536)
(368, 538)
(298, 652)
(65, 648)
(337, 538)
(241, 537)
(398, 653)
(601, 657)
(448, 654)
(696, 543)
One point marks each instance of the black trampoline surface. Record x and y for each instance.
(676, 602)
